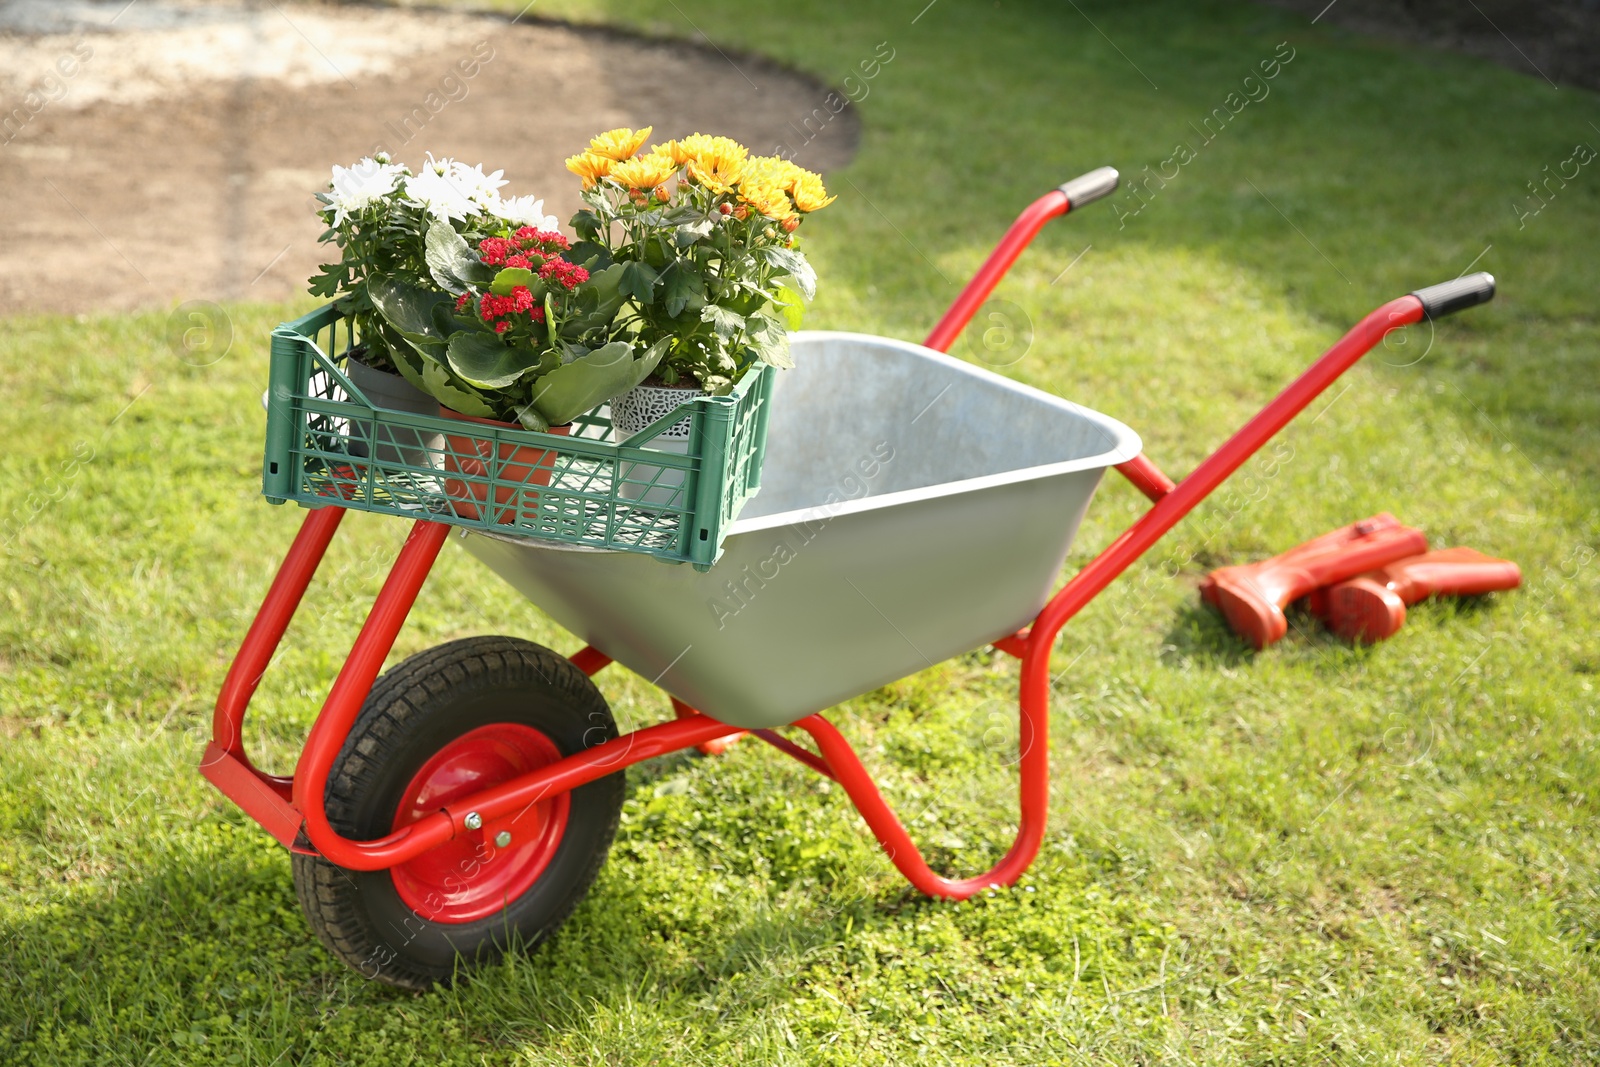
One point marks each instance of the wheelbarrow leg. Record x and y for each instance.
(1034, 742)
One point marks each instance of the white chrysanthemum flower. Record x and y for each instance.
(525, 211)
(434, 190)
(474, 184)
(354, 188)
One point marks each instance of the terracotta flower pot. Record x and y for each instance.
(519, 467)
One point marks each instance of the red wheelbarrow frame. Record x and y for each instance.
(291, 808)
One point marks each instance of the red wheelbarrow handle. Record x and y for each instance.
(1084, 189)
(1172, 505)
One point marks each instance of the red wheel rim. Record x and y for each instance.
(472, 877)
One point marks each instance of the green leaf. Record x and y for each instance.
(451, 262)
(769, 339)
(586, 224)
(746, 299)
(725, 321)
(795, 266)
(682, 289)
(587, 382)
(590, 255)
(788, 302)
(530, 418)
(511, 277)
(685, 215)
(327, 283)
(408, 308)
(425, 366)
(446, 321)
(439, 383)
(484, 361)
(605, 291)
(638, 280)
(685, 237)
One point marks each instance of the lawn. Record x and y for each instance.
(1308, 855)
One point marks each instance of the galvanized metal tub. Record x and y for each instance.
(912, 507)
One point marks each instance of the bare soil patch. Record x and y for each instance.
(171, 154)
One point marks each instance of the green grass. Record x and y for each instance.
(1310, 855)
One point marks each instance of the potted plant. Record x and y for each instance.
(378, 213)
(472, 300)
(525, 334)
(702, 237)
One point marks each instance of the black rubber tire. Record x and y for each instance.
(412, 712)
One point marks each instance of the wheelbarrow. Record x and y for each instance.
(913, 507)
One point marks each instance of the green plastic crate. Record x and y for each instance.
(327, 444)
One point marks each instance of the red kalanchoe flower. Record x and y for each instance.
(548, 240)
(462, 301)
(567, 275)
(527, 248)
(494, 250)
(492, 307)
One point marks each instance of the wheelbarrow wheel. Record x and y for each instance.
(446, 723)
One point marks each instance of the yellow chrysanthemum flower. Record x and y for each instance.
(809, 194)
(645, 172)
(766, 197)
(699, 144)
(718, 163)
(673, 150)
(590, 167)
(619, 144)
(773, 170)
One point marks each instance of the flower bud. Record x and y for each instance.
(790, 224)
(726, 209)
(662, 194)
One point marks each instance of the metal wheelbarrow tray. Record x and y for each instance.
(912, 508)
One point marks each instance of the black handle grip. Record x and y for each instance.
(1087, 188)
(1448, 297)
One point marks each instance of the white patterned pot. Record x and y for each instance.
(637, 409)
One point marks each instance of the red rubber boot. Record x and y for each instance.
(1372, 607)
(1253, 595)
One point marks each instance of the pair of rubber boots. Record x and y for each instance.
(1359, 579)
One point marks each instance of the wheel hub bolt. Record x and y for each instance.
(502, 839)
(473, 821)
